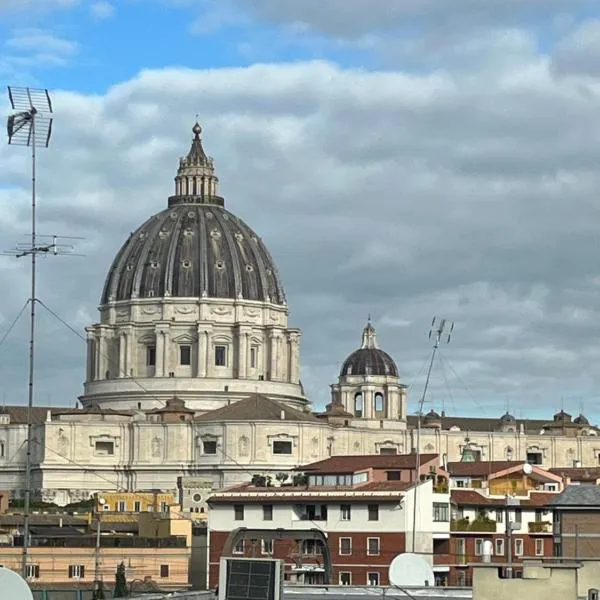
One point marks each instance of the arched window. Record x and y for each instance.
(358, 404)
(379, 403)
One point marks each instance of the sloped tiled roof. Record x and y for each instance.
(464, 497)
(480, 468)
(583, 495)
(351, 464)
(257, 408)
(578, 473)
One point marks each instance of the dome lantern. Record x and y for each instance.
(196, 182)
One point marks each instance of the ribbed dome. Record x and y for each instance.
(581, 420)
(369, 359)
(507, 418)
(194, 248)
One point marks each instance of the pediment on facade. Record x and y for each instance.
(283, 436)
(207, 437)
(184, 338)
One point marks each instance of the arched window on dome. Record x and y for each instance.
(379, 404)
(358, 404)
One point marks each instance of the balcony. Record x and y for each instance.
(479, 525)
(540, 527)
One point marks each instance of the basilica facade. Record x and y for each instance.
(194, 372)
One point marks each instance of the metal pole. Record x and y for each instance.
(97, 578)
(418, 448)
(509, 569)
(32, 300)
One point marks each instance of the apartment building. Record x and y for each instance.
(505, 502)
(361, 508)
(576, 522)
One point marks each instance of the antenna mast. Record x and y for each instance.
(440, 331)
(30, 126)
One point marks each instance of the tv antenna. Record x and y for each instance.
(31, 126)
(440, 332)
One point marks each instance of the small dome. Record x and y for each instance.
(369, 359)
(562, 416)
(581, 420)
(507, 418)
(432, 415)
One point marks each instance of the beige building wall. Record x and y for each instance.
(556, 582)
(54, 563)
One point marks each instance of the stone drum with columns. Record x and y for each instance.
(369, 388)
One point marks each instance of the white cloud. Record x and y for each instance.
(102, 10)
(39, 5)
(469, 193)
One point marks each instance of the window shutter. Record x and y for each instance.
(36, 571)
(70, 571)
(82, 571)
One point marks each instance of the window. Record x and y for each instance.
(311, 548)
(373, 512)
(164, 507)
(345, 546)
(239, 548)
(500, 516)
(499, 547)
(266, 546)
(221, 356)
(32, 571)
(535, 458)
(379, 402)
(280, 447)
(267, 512)
(253, 355)
(137, 506)
(518, 515)
(373, 546)
(345, 512)
(76, 571)
(539, 515)
(518, 547)
(185, 355)
(373, 578)
(388, 450)
(121, 506)
(164, 571)
(345, 578)
(393, 475)
(209, 447)
(1, 449)
(478, 546)
(238, 512)
(150, 356)
(104, 448)
(311, 512)
(539, 547)
(441, 512)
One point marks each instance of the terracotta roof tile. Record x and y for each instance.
(480, 468)
(590, 474)
(464, 497)
(351, 464)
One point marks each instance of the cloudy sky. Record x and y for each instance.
(403, 158)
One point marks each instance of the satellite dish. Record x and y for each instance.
(13, 586)
(527, 469)
(410, 570)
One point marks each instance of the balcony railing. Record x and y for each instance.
(478, 525)
(540, 527)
